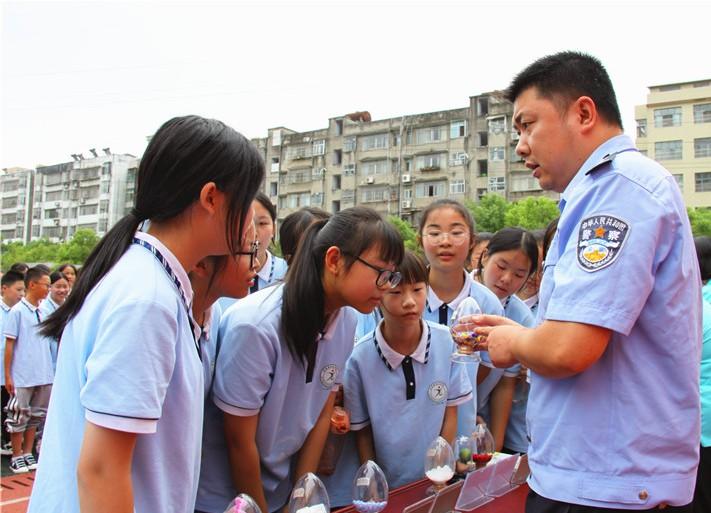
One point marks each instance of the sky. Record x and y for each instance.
(80, 75)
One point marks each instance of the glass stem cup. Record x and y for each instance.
(467, 343)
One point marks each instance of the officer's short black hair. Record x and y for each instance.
(565, 77)
(703, 252)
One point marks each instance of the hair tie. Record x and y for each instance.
(138, 215)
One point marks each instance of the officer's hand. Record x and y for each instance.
(500, 340)
(484, 320)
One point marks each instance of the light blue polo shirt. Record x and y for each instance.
(47, 307)
(31, 358)
(516, 310)
(129, 362)
(625, 432)
(489, 304)
(705, 378)
(4, 312)
(256, 374)
(403, 398)
(273, 271)
(706, 292)
(208, 344)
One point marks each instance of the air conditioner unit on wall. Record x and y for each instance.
(406, 178)
(369, 179)
(406, 204)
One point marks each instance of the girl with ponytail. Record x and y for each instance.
(124, 421)
(282, 353)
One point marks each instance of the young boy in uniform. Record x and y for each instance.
(12, 289)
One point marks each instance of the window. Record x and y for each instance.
(369, 195)
(53, 196)
(456, 187)
(349, 169)
(349, 144)
(407, 193)
(457, 158)
(702, 113)
(51, 213)
(106, 168)
(105, 187)
(667, 117)
(337, 157)
(457, 129)
(482, 167)
(497, 153)
(429, 189)
(339, 127)
(275, 165)
(298, 200)
(336, 182)
(429, 162)
(524, 184)
(9, 218)
(87, 210)
(483, 139)
(317, 199)
(53, 179)
(335, 206)
(667, 150)
(9, 202)
(52, 231)
(497, 184)
(35, 230)
(702, 182)
(299, 177)
(376, 167)
(702, 147)
(297, 152)
(641, 128)
(374, 142)
(319, 147)
(429, 134)
(103, 225)
(7, 234)
(10, 185)
(273, 188)
(679, 181)
(497, 125)
(482, 106)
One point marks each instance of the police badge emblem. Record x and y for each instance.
(600, 241)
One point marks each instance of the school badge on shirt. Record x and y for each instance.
(328, 376)
(437, 392)
(600, 241)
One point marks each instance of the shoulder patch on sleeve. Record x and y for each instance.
(600, 240)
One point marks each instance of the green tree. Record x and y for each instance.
(490, 213)
(77, 249)
(532, 213)
(700, 219)
(408, 233)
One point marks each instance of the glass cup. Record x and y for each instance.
(464, 334)
(439, 464)
(370, 489)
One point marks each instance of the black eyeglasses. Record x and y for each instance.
(385, 276)
(252, 253)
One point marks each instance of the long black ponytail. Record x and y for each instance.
(184, 154)
(353, 231)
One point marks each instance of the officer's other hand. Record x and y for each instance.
(499, 343)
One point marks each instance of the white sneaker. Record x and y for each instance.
(30, 461)
(6, 449)
(18, 465)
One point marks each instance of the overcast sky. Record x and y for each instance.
(107, 74)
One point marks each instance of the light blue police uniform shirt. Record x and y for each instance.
(489, 304)
(129, 362)
(47, 307)
(273, 271)
(624, 433)
(208, 344)
(516, 310)
(31, 358)
(256, 374)
(376, 394)
(705, 377)
(4, 312)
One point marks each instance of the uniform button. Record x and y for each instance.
(412, 384)
(643, 495)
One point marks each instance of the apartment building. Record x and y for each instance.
(399, 165)
(16, 196)
(82, 194)
(674, 127)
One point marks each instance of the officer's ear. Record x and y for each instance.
(585, 113)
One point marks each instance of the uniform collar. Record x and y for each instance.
(206, 324)
(330, 329)
(433, 302)
(4, 306)
(266, 272)
(392, 357)
(175, 265)
(531, 301)
(29, 305)
(604, 153)
(51, 302)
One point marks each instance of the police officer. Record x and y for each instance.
(613, 413)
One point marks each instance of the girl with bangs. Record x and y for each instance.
(282, 353)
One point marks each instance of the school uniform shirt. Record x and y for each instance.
(256, 374)
(129, 362)
(706, 292)
(273, 271)
(516, 310)
(47, 307)
(31, 358)
(208, 344)
(624, 433)
(705, 377)
(404, 398)
(4, 312)
(438, 311)
(367, 323)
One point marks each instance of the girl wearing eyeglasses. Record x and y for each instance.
(282, 353)
(124, 425)
(447, 236)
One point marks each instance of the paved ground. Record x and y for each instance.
(15, 491)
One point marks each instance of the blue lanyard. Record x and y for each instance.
(169, 271)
